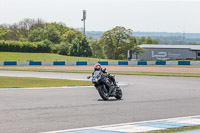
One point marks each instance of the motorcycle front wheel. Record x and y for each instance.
(119, 94)
(103, 92)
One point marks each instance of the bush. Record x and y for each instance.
(62, 49)
(16, 46)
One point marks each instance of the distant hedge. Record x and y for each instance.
(16, 46)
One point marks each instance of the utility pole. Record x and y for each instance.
(84, 18)
(184, 37)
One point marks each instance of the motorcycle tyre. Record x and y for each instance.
(119, 94)
(102, 94)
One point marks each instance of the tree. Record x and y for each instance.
(62, 48)
(149, 40)
(97, 50)
(49, 32)
(137, 50)
(60, 27)
(9, 34)
(37, 35)
(70, 35)
(26, 25)
(80, 47)
(141, 40)
(53, 34)
(116, 42)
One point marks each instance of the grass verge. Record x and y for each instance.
(21, 82)
(158, 74)
(19, 56)
(113, 72)
(179, 66)
(176, 129)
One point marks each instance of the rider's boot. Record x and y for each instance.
(115, 84)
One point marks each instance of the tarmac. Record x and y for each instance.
(145, 98)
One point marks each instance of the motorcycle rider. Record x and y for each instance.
(97, 67)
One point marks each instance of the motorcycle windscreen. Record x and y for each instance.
(96, 74)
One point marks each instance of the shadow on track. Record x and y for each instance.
(110, 100)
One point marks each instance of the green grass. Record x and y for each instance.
(113, 72)
(21, 82)
(159, 74)
(17, 56)
(176, 129)
(181, 66)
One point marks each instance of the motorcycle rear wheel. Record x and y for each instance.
(103, 92)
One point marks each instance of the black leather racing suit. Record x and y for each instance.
(111, 77)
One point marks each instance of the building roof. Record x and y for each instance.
(191, 47)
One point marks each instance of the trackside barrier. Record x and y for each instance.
(112, 62)
(171, 62)
(151, 63)
(160, 62)
(78, 63)
(195, 63)
(59, 63)
(74, 63)
(47, 63)
(35, 63)
(1, 63)
(122, 62)
(91, 63)
(22, 63)
(183, 62)
(103, 62)
(132, 63)
(70, 63)
(10, 63)
(142, 62)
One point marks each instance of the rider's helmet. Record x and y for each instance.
(97, 67)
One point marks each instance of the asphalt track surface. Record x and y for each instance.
(144, 98)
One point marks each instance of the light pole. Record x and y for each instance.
(184, 37)
(84, 18)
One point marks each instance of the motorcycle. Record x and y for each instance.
(105, 86)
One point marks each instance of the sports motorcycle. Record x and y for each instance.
(105, 86)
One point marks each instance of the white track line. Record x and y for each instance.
(41, 88)
(125, 124)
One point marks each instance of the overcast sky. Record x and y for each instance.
(102, 15)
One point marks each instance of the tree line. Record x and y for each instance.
(30, 35)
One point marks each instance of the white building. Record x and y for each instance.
(168, 52)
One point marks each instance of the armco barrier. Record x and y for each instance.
(10, 63)
(78, 63)
(122, 62)
(59, 63)
(142, 62)
(103, 62)
(160, 62)
(183, 62)
(35, 63)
